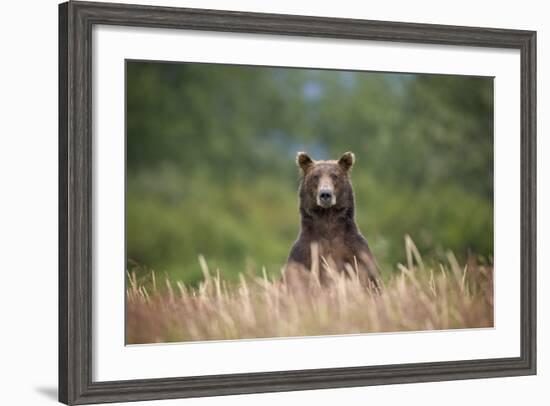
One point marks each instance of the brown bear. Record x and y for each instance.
(328, 229)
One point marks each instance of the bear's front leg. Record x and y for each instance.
(298, 264)
(369, 272)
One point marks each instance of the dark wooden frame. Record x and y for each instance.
(76, 20)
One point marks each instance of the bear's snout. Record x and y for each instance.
(326, 198)
(325, 195)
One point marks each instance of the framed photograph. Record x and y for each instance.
(258, 202)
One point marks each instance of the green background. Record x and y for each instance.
(211, 149)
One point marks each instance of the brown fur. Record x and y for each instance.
(329, 223)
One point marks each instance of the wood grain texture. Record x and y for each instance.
(76, 20)
(63, 364)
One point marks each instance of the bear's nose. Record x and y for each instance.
(325, 194)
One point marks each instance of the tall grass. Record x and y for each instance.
(417, 297)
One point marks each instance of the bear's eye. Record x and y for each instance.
(334, 176)
(315, 178)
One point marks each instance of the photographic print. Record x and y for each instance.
(267, 202)
(295, 201)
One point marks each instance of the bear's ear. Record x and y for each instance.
(303, 161)
(346, 161)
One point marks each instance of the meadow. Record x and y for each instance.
(417, 296)
(212, 202)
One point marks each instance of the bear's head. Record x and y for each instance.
(325, 184)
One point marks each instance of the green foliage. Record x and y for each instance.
(210, 155)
